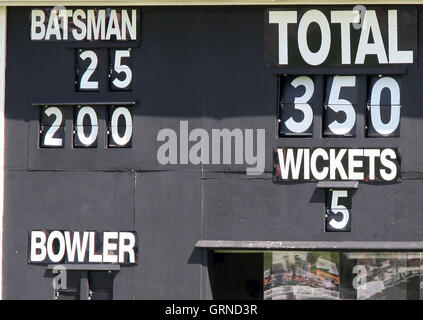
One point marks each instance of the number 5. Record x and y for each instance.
(337, 105)
(119, 68)
(336, 208)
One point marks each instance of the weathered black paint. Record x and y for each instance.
(205, 65)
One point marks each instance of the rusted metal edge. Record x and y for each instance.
(311, 245)
(338, 184)
(94, 267)
(77, 103)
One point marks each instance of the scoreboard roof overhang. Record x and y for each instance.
(199, 2)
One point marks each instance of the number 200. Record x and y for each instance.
(52, 132)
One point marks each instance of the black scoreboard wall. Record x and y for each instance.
(207, 66)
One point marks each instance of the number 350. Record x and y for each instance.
(383, 116)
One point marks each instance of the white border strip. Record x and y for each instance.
(104, 3)
(3, 24)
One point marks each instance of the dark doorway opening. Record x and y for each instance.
(237, 276)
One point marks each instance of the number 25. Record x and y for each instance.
(117, 82)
